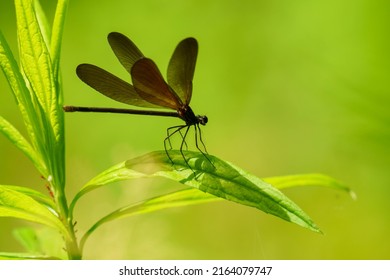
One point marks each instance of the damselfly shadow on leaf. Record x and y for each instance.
(149, 88)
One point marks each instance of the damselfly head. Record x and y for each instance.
(202, 120)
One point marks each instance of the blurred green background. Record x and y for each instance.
(289, 87)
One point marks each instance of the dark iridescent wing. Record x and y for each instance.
(111, 86)
(125, 50)
(181, 68)
(150, 85)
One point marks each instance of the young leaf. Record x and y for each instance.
(21, 143)
(19, 89)
(301, 180)
(58, 28)
(116, 173)
(34, 55)
(24, 256)
(184, 197)
(42, 21)
(36, 195)
(18, 205)
(30, 108)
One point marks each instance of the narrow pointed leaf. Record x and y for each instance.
(21, 143)
(116, 173)
(42, 21)
(315, 179)
(176, 199)
(34, 55)
(18, 205)
(15, 80)
(36, 62)
(190, 196)
(24, 256)
(46, 112)
(56, 39)
(222, 180)
(36, 195)
(193, 196)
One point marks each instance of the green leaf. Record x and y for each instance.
(44, 90)
(301, 180)
(176, 199)
(21, 143)
(185, 197)
(28, 238)
(42, 21)
(36, 195)
(24, 256)
(193, 196)
(222, 179)
(34, 55)
(32, 111)
(19, 205)
(58, 29)
(19, 89)
(116, 173)
(43, 241)
(37, 66)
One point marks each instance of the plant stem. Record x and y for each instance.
(72, 247)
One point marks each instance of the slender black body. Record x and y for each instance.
(120, 111)
(148, 88)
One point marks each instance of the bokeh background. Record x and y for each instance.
(289, 87)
